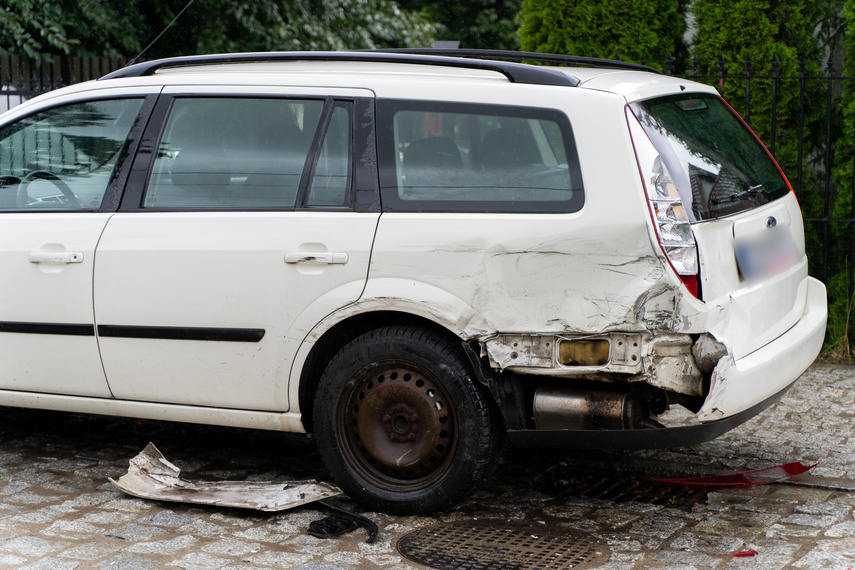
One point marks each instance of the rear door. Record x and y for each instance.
(60, 169)
(244, 216)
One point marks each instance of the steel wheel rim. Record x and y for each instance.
(397, 425)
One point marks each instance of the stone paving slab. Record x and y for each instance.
(57, 509)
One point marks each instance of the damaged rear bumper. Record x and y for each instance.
(637, 438)
(740, 390)
(738, 385)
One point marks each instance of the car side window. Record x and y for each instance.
(63, 158)
(471, 158)
(232, 153)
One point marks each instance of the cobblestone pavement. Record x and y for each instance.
(58, 511)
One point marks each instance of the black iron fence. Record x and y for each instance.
(22, 78)
(830, 227)
(822, 178)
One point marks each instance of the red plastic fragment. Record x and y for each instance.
(745, 478)
(746, 553)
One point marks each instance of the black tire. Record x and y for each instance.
(401, 423)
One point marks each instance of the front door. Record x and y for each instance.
(56, 167)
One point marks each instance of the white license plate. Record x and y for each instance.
(765, 254)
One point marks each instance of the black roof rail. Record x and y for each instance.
(515, 72)
(504, 55)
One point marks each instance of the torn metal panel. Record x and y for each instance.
(152, 476)
(625, 349)
(521, 350)
(538, 353)
(664, 360)
(671, 365)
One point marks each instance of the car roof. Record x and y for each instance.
(394, 73)
(636, 85)
(630, 80)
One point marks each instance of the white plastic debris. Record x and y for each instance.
(152, 476)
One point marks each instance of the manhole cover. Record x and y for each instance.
(502, 546)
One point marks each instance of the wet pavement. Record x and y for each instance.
(57, 509)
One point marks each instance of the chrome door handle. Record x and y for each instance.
(56, 257)
(316, 257)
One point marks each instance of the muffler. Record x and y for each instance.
(568, 408)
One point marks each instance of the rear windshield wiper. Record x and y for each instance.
(737, 196)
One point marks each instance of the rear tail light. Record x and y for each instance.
(673, 228)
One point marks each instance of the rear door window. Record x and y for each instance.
(718, 166)
(476, 158)
(233, 153)
(332, 176)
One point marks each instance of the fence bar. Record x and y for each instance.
(748, 70)
(851, 260)
(827, 201)
(802, 69)
(775, 69)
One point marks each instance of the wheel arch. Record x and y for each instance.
(341, 333)
(402, 424)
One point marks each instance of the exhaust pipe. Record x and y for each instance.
(572, 409)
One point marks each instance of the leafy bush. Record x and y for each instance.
(635, 28)
(122, 29)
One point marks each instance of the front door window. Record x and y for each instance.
(63, 158)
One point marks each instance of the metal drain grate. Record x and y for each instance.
(627, 490)
(502, 546)
(563, 480)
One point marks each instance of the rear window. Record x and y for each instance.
(451, 157)
(718, 166)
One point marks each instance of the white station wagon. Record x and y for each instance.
(413, 256)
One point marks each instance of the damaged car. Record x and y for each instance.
(417, 257)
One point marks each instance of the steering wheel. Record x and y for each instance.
(23, 199)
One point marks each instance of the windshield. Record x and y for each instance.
(718, 166)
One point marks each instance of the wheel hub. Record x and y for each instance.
(401, 423)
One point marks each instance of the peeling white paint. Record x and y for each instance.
(718, 387)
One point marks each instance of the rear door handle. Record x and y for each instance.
(316, 257)
(56, 257)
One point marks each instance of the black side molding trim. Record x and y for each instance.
(656, 438)
(182, 333)
(47, 328)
